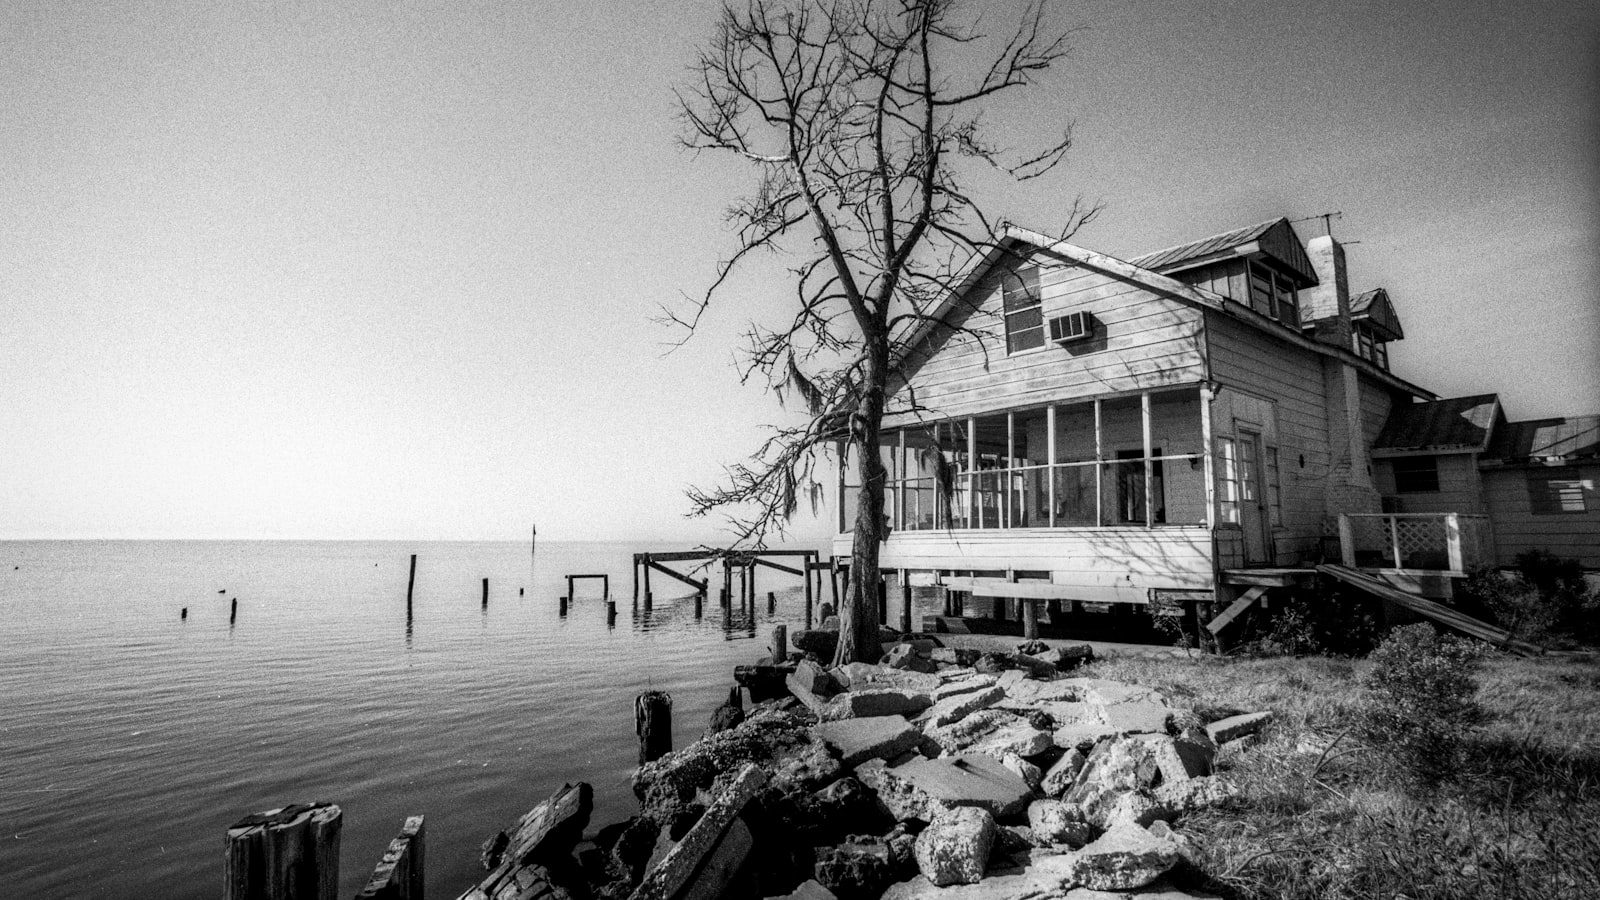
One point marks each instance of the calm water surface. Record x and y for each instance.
(130, 740)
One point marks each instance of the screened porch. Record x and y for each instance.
(1134, 460)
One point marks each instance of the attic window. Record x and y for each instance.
(1024, 320)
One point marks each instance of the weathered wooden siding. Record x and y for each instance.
(1110, 565)
(1460, 489)
(1143, 340)
(1516, 528)
(1376, 402)
(1247, 361)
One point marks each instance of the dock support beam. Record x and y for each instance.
(285, 854)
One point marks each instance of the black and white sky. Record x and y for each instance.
(386, 270)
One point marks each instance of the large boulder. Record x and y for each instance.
(923, 788)
(1124, 858)
(1115, 771)
(874, 737)
(954, 848)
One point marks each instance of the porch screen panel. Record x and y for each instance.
(1030, 472)
(1123, 481)
(953, 443)
(920, 484)
(991, 471)
(1075, 470)
(1179, 494)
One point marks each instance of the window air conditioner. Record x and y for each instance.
(1075, 327)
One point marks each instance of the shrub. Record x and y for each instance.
(1544, 595)
(1420, 700)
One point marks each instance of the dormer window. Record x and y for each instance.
(1368, 345)
(1024, 318)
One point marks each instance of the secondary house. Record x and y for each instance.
(1195, 425)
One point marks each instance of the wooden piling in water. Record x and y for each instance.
(486, 593)
(411, 582)
(233, 612)
(399, 875)
(772, 602)
(611, 612)
(780, 644)
(185, 614)
(284, 854)
(652, 721)
(807, 580)
(563, 607)
(699, 605)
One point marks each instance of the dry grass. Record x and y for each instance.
(1323, 815)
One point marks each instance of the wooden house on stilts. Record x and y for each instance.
(1196, 428)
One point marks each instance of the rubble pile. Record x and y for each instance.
(938, 774)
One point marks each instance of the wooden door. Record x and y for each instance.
(1252, 500)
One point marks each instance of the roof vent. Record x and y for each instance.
(1078, 326)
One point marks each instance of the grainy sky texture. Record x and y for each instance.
(354, 269)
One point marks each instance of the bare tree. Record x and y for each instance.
(857, 118)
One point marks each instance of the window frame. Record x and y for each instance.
(1022, 283)
(1407, 467)
(1547, 499)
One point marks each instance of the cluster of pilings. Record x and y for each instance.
(740, 565)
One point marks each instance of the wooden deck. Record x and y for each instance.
(1266, 577)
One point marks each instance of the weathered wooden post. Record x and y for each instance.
(652, 721)
(1030, 618)
(772, 602)
(563, 607)
(905, 601)
(780, 644)
(807, 566)
(399, 875)
(699, 605)
(411, 583)
(284, 854)
(233, 613)
(486, 593)
(611, 612)
(649, 596)
(636, 578)
(883, 599)
(185, 614)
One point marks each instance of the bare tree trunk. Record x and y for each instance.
(858, 620)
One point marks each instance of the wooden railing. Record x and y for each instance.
(1439, 543)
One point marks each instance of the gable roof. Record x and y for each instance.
(1542, 440)
(1375, 308)
(1274, 238)
(1456, 425)
(920, 328)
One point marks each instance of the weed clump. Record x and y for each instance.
(1420, 700)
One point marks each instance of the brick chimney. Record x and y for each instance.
(1326, 307)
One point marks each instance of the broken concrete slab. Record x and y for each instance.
(906, 657)
(1030, 774)
(1060, 776)
(954, 709)
(1054, 822)
(859, 675)
(923, 788)
(1183, 757)
(778, 740)
(1064, 689)
(869, 702)
(958, 736)
(1137, 717)
(871, 737)
(547, 831)
(686, 870)
(1036, 880)
(1019, 738)
(1124, 858)
(1234, 727)
(954, 848)
(965, 685)
(1082, 735)
(1184, 797)
(813, 678)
